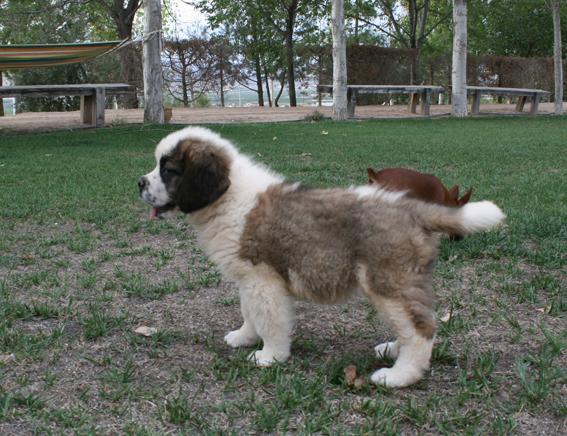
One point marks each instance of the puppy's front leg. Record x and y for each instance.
(269, 309)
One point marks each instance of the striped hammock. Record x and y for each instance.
(13, 57)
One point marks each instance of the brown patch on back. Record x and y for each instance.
(316, 239)
(294, 232)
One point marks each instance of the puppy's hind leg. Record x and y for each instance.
(414, 324)
(410, 313)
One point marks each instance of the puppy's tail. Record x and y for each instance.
(471, 218)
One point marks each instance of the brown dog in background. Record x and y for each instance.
(420, 186)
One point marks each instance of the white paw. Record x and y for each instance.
(266, 358)
(394, 378)
(387, 349)
(236, 339)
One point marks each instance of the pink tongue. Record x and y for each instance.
(153, 213)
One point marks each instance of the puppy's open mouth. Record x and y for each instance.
(157, 212)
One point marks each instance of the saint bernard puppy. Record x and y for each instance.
(280, 241)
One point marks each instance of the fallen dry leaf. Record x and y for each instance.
(545, 309)
(446, 317)
(350, 375)
(146, 331)
(359, 383)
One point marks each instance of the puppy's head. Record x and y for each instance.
(192, 172)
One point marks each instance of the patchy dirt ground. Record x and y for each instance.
(44, 121)
(77, 293)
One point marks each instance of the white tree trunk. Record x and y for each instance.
(459, 70)
(1, 100)
(557, 56)
(153, 78)
(340, 111)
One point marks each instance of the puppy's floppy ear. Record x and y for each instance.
(204, 180)
(371, 175)
(454, 193)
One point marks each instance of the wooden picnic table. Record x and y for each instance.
(533, 94)
(93, 96)
(423, 92)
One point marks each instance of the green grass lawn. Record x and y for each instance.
(81, 268)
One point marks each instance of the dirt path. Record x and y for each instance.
(45, 121)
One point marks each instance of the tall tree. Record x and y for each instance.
(409, 23)
(286, 27)
(339, 61)
(122, 13)
(557, 55)
(188, 68)
(459, 79)
(290, 20)
(226, 68)
(243, 24)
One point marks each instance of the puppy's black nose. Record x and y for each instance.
(142, 183)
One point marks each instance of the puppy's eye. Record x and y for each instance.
(170, 171)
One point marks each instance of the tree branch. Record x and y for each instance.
(381, 29)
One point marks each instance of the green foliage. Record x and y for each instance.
(315, 116)
(57, 22)
(505, 28)
(202, 101)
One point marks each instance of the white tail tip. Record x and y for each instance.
(481, 215)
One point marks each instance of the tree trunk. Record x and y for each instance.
(413, 68)
(221, 73)
(290, 69)
(123, 17)
(1, 100)
(459, 70)
(340, 111)
(153, 77)
(129, 74)
(356, 24)
(267, 81)
(282, 81)
(412, 16)
(258, 70)
(557, 56)
(184, 87)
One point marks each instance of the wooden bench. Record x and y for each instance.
(523, 94)
(92, 96)
(423, 92)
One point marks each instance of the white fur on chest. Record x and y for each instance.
(220, 229)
